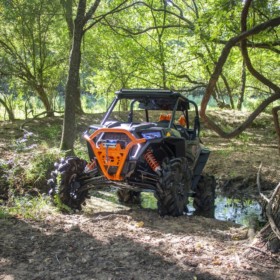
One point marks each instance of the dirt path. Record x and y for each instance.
(129, 244)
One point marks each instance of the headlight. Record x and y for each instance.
(151, 134)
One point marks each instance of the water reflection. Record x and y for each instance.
(238, 211)
(226, 209)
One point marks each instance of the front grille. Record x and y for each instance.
(115, 136)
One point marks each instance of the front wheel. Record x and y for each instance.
(175, 184)
(66, 182)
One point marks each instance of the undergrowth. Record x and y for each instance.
(60, 205)
(41, 165)
(27, 207)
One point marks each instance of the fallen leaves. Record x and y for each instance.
(139, 224)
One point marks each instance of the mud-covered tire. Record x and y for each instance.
(129, 196)
(204, 200)
(65, 182)
(175, 184)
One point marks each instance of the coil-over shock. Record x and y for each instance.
(152, 161)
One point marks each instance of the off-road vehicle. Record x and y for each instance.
(149, 141)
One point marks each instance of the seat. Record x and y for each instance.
(182, 121)
(164, 117)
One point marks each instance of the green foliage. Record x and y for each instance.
(39, 164)
(4, 213)
(245, 137)
(92, 104)
(28, 173)
(81, 149)
(147, 45)
(60, 205)
(148, 200)
(57, 201)
(4, 165)
(50, 133)
(227, 151)
(32, 47)
(109, 196)
(27, 207)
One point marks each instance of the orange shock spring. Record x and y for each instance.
(91, 165)
(150, 158)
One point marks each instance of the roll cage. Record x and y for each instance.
(151, 100)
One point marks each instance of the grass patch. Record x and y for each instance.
(40, 165)
(28, 207)
(29, 173)
(226, 151)
(61, 206)
(81, 150)
(49, 134)
(244, 137)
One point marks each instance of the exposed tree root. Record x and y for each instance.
(270, 234)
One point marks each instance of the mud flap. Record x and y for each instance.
(201, 161)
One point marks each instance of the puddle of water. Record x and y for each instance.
(238, 211)
(226, 209)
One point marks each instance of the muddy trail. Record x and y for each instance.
(107, 240)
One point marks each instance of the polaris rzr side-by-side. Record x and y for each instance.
(153, 145)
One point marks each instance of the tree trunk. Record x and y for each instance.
(229, 91)
(72, 84)
(9, 110)
(276, 123)
(68, 13)
(78, 103)
(242, 91)
(73, 79)
(219, 98)
(44, 98)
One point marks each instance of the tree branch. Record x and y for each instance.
(187, 77)
(245, 54)
(117, 9)
(270, 214)
(159, 27)
(217, 72)
(91, 11)
(181, 16)
(259, 185)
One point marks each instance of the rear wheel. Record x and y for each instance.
(66, 182)
(175, 184)
(128, 196)
(204, 200)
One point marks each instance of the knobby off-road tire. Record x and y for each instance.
(204, 200)
(128, 197)
(175, 183)
(66, 180)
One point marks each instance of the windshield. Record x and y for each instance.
(163, 111)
